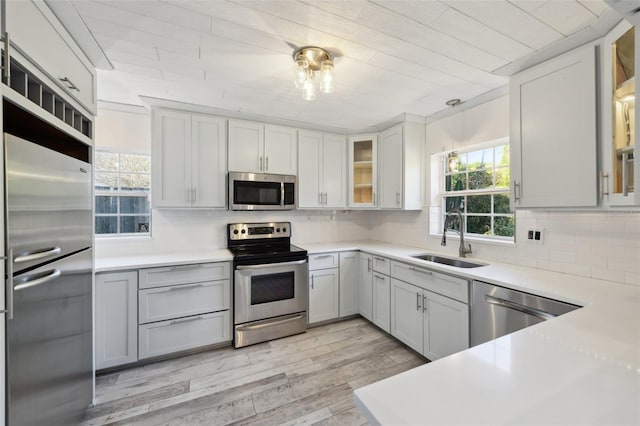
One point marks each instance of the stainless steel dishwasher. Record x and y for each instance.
(496, 311)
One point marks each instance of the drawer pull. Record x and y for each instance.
(422, 271)
(323, 256)
(186, 267)
(185, 287)
(379, 259)
(178, 321)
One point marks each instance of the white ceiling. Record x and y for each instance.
(392, 56)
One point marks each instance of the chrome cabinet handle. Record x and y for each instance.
(418, 302)
(604, 190)
(266, 167)
(69, 83)
(187, 195)
(26, 282)
(379, 259)
(194, 193)
(325, 198)
(184, 287)
(376, 276)
(374, 198)
(422, 271)
(186, 267)
(518, 307)
(625, 174)
(516, 191)
(261, 163)
(369, 260)
(178, 321)
(271, 265)
(397, 198)
(322, 256)
(424, 303)
(319, 197)
(37, 254)
(312, 282)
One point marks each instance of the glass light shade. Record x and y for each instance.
(326, 73)
(309, 90)
(301, 72)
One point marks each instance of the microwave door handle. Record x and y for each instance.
(281, 194)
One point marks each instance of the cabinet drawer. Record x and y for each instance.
(382, 265)
(323, 261)
(183, 274)
(166, 337)
(162, 303)
(446, 285)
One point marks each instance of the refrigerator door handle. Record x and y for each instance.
(9, 301)
(37, 254)
(52, 275)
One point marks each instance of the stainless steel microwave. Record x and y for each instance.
(259, 191)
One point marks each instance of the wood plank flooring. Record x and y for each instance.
(298, 380)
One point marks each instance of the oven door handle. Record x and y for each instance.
(271, 265)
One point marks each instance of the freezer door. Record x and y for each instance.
(49, 343)
(48, 203)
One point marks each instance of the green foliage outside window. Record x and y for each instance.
(477, 184)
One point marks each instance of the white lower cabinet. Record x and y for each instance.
(446, 326)
(183, 307)
(406, 314)
(165, 337)
(428, 322)
(116, 314)
(324, 292)
(381, 315)
(365, 286)
(349, 283)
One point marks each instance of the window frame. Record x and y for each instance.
(443, 194)
(119, 193)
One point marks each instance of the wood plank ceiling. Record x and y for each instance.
(392, 56)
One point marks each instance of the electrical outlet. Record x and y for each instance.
(535, 235)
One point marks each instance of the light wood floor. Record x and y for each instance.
(304, 379)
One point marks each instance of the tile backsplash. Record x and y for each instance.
(604, 245)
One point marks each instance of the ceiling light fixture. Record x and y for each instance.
(311, 61)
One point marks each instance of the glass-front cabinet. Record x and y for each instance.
(362, 170)
(619, 176)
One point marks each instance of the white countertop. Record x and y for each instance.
(122, 263)
(580, 368)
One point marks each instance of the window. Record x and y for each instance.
(122, 183)
(476, 183)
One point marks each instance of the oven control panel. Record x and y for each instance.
(259, 231)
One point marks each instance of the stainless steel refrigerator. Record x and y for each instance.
(48, 285)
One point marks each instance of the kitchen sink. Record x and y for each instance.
(458, 263)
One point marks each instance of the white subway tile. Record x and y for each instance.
(550, 265)
(570, 268)
(608, 275)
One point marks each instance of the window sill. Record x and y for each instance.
(471, 239)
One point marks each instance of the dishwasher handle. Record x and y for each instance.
(518, 307)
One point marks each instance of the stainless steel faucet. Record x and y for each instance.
(463, 251)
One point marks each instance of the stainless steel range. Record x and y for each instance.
(270, 282)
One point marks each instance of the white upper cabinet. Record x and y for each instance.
(619, 117)
(553, 132)
(280, 150)
(363, 174)
(208, 161)
(262, 148)
(400, 167)
(188, 160)
(322, 169)
(37, 34)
